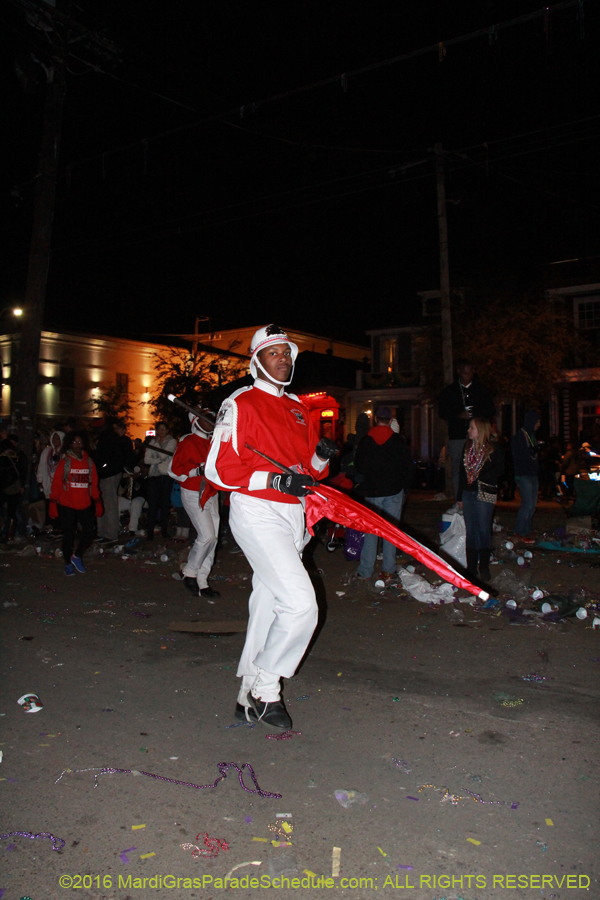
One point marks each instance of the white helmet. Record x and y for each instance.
(197, 428)
(264, 337)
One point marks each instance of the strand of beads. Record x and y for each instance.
(282, 830)
(447, 795)
(222, 767)
(211, 846)
(57, 843)
(285, 736)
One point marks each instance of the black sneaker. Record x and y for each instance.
(273, 714)
(191, 584)
(240, 713)
(209, 592)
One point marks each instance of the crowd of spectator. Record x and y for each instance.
(124, 480)
(129, 491)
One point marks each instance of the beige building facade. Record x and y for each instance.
(75, 368)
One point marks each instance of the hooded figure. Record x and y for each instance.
(49, 460)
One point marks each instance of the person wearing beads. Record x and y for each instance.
(482, 466)
(267, 518)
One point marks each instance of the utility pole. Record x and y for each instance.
(25, 384)
(444, 270)
(51, 36)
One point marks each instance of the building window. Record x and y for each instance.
(66, 382)
(122, 383)
(392, 353)
(389, 358)
(588, 418)
(588, 313)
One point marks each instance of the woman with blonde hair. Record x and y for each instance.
(482, 466)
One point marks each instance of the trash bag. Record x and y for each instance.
(419, 588)
(454, 539)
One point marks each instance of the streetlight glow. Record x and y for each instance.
(17, 311)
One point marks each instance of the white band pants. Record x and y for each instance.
(206, 522)
(283, 608)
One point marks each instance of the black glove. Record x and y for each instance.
(294, 484)
(326, 448)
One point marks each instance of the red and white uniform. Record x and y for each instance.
(200, 502)
(76, 487)
(268, 525)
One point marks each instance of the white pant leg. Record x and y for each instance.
(283, 608)
(206, 522)
(124, 505)
(137, 505)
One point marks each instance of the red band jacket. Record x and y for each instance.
(192, 451)
(274, 422)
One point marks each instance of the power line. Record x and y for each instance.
(529, 184)
(341, 78)
(456, 154)
(176, 231)
(176, 227)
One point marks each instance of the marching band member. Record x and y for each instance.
(201, 503)
(267, 518)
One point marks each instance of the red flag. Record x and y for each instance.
(344, 510)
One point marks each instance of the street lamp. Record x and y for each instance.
(16, 311)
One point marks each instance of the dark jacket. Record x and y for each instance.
(109, 455)
(489, 475)
(128, 452)
(455, 398)
(524, 447)
(384, 461)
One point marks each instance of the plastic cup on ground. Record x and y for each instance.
(30, 702)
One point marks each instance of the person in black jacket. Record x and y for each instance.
(482, 466)
(110, 459)
(464, 399)
(385, 463)
(524, 448)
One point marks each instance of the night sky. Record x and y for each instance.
(318, 209)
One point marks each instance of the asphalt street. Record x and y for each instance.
(451, 793)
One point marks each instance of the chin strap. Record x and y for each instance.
(270, 377)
